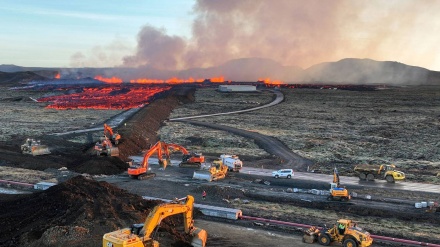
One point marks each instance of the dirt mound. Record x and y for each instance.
(140, 131)
(75, 213)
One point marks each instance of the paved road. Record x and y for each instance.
(410, 186)
(112, 122)
(279, 98)
(270, 144)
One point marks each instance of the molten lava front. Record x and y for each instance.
(112, 96)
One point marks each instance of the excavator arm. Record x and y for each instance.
(336, 177)
(140, 235)
(108, 129)
(108, 132)
(139, 171)
(180, 206)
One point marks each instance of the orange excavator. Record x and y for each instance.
(188, 159)
(113, 136)
(141, 170)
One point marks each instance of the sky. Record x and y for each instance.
(180, 34)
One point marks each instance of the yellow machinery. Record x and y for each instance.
(336, 192)
(387, 172)
(139, 235)
(217, 171)
(34, 147)
(345, 232)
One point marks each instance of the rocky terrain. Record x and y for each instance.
(331, 127)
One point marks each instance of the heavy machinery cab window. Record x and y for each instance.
(136, 229)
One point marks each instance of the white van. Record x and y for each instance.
(283, 173)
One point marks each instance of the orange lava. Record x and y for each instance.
(267, 81)
(58, 76)
(114, 79)
(113, 97)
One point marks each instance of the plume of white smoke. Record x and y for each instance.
(296, 32)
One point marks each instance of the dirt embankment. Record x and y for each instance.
(77, 213)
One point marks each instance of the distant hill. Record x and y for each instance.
(345, 71)
(14, 78)
(367, 71)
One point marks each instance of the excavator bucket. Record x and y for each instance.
(202, 175)
(40, 150)
(199, 237)
(113, 151)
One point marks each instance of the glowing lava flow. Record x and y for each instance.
(58, 76)
(114, 79)
(267, 81)
(105, 97)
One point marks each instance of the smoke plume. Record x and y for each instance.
(296, 32)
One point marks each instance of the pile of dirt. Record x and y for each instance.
(76, 213)
(140, 131)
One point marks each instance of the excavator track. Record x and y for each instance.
(146, 176)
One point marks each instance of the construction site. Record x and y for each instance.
(363, 165)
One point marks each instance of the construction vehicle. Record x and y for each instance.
(105, 147)
(216, 171)
(434, 207)
(232, 162)
(193, 160)
(139, 235)
(141, 170)
(34, 147)
(371, 172)
(336, 192)
(345, 232)
(113, 136)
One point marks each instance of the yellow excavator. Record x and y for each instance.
(139, 235)
(336, 192)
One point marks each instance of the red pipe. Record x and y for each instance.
(16, 183)
(396, 240)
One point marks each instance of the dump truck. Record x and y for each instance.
(34, 147)
(345, 232)
(232, 162)
(216, 171)
(142, 235)
(371, 172)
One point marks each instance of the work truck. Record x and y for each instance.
(371, 172)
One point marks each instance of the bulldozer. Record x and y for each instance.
(336, 192)
(345, 232)
(105, 147)
(140, 235)
(216, 171)
(34, 147)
